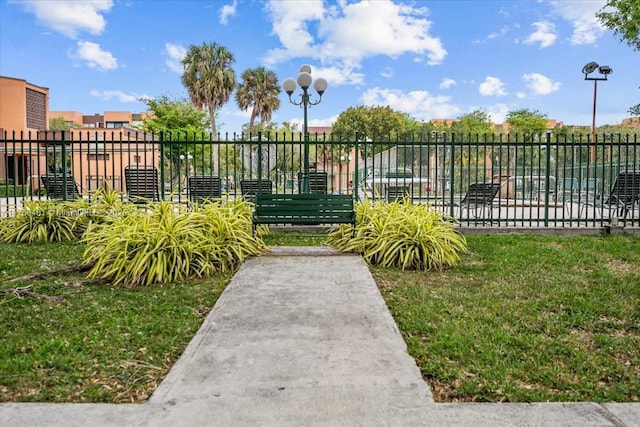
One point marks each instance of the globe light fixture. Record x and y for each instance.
(289, 85)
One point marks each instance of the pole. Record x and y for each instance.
(305, 173)
(593, 122)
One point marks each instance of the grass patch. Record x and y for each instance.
(526, 319)
(292, 238)
(91, 343)
(520, 319)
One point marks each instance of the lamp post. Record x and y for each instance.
(188, 158)
(320, 85)
(605, 70)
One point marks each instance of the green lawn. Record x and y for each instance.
(522, 318)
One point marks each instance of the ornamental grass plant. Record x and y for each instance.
(46, 221)
(163, 243)
(401, 235)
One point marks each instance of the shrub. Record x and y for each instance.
(46, 221)
(401, 235)
(165, 242)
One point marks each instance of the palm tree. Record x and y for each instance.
(259, 89)
(209, 78)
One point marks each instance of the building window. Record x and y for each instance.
(98, 156)
(36, 110)
(115, 125)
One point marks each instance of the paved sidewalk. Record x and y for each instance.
(302, 337)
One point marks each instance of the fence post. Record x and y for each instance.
(356, 180)
(259, 161)
(64, 165)
(452, 183)
(547, 180)
(161, 162)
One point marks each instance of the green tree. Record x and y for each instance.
(59, 123)
(371, 123)
(258, 90)
(474, 123)
(174, 115)
(209, 78)
(526, 123)
(623, 18)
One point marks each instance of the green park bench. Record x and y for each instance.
(303, 209)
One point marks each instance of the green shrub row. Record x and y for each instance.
(162, 242)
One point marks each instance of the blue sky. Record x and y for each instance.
(430, 59)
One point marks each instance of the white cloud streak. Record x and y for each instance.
(227, 11)
(545, 34)
(540, 84)
(492, 86)
(447, 83)
(582, 15)
(70, 17)
(95, 57)
(175, 53)
(419, 104)
(350, 32)
(108, 95)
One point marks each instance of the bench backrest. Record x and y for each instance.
(626, 188)
(251, 187)
(317, 182)
(397, 192)
(480, 193)
(142, 183)
(316, 208)
(203, 187)
(57, 184)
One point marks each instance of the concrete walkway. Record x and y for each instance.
(302, 337)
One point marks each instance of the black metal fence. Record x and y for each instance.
(544, 180)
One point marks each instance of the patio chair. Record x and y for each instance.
(317, 182)
(251, 187)
(142, 183)
(479, 198)
(624, 197)
(397, 192)
(203, 188)
(59, 186)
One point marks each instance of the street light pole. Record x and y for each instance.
(605, 70)
(320, 85)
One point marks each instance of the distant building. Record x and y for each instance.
(23, 105)
(633, 122)
(107, 120)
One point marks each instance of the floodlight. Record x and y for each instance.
(590, 67)
(605, 69)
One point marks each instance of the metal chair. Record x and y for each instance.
(142, 183)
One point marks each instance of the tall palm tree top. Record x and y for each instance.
(258, 89)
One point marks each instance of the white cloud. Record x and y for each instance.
(545, 34)
(582, 15)
(540, 84)
(498, 112)
(447, 83)
(501, 33)
(108, 95)
(492, 86)
(70, 17)
(226, 11)
(175, 53)
(337, 76)
(418, 104)
(349, 32)
(95, 57)
(387, 72)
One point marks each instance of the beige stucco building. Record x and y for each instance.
(95, 153)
